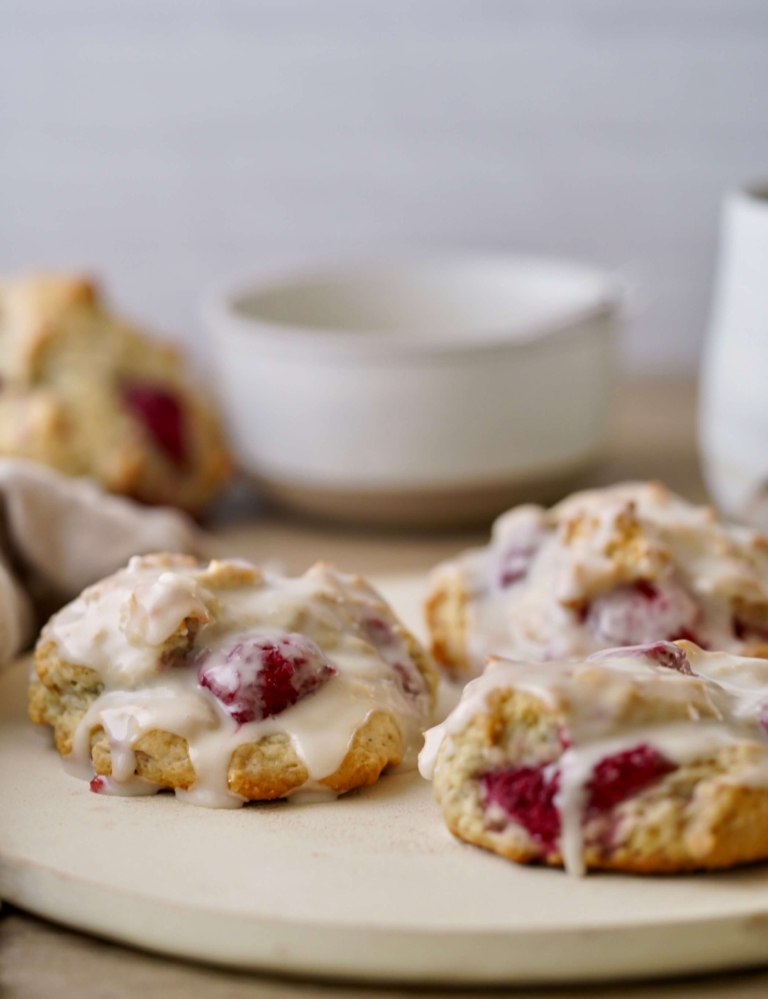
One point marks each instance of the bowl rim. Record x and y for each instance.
(220, 314)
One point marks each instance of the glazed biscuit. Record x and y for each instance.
(228, 684)
(645, 760)
(90, 395)
(619, 566)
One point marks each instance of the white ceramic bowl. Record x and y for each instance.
(425, 392)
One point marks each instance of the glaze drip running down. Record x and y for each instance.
(629, 717)
(625, 565)
(225, 656)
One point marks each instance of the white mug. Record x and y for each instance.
(733, 414)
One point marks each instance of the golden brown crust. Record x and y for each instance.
(160, 757)
(377, 745)
(259, 771)
(446, 614)
(61, 694)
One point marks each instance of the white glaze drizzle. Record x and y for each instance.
(533, 617)
(681, 743)
(734, 689)
(122, 626)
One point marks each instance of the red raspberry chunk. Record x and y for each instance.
(160, 413)
(410, 681)
(526, 794)
(379, 632)
(618, 777)
(762, 716)
(520, 549)
(260, 677)
(665, 654)
(643, 613)
(394, 651)
(515, 563)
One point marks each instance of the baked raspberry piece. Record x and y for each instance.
(515, 563)
(517, 555)
(380, 633)
(526, 795)
(762, 716)
(642, 613)
(260, 677)
(410, 681)
(622, 775)
(665, 654)
(160, 413)
(394, 651)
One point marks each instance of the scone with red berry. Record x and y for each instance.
(651, 759)
(228, 684)
(619, 566)
(85, 392)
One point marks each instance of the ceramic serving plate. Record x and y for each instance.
(368, 887)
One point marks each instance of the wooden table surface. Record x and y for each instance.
(653, 437)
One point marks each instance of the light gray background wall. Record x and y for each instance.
(167, 143)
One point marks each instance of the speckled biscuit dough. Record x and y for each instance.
(645, 760)
(228, 684)
(89, 394)
(618, 566)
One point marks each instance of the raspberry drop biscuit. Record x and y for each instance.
(229, 684)
(620, 566)
(90, 395)
(651, 759)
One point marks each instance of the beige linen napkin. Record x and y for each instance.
(58, 535)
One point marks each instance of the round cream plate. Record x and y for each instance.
(370, 887)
